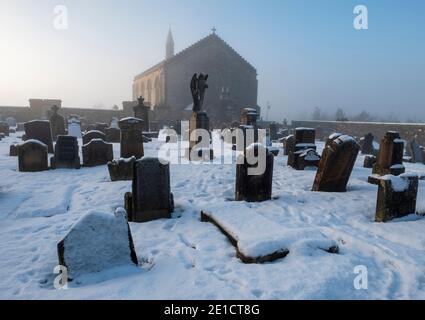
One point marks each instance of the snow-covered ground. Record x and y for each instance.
(184, 258)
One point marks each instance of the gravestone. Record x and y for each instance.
(254, 187)
(32, 156)
(97, 152)
(93, 134)
(98, 241)
(151, 196)
(336, 164)
(99, 126)
(273, 131)
(288, 144)
(74, 127)
(4, 128)
(20, 126)
(390, 156)
(369, 161)
(66, 153)
(367, 144)
(131, 137)
(248, 117)
(416, 152)
(396, 197)
(113, 135)
(303, 154)
(114, 123)
(141, 111)
(13, 150)
(39, 130)
(57, 123)
(122, 169)
(11, 121)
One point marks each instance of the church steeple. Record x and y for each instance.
(169, 48)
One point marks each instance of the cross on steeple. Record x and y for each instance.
(214, 30)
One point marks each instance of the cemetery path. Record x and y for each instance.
(183, 258)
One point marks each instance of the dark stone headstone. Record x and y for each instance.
(254, 187)
(369, 161)
(396, 197)
(141, 111)
(416, 152)
(97, 242)
(32, 156)
(13, 151)
(66, 153)
(151, 196)
(97, 152)
(273, 131)
(122, 169)
(367, 144)
(113, 135)
(303, 154)
(4, 128)
(99, 126)
(336, 164)
(390, 157)
(40, 130)
(131, 137)
(57, 123)
(93, 134)
(288, 144)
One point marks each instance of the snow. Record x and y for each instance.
(33, 141)
(398, 184)
(183, 258)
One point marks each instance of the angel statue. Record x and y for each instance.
(198, 85)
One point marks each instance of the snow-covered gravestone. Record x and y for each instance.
(288, 144)
(396, 197)
(11, 121)
(303, 154)
(369, 161)
(97, 152)
(122, 169)
(66, 153)
(390, 156)
(32, 156)
(151, 196)
(97, 242)
(93, 134)
(40, 130)
(131, 137)
(74, 127)
(336, 164)
(254, 187)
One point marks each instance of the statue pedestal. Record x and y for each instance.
(198, 120)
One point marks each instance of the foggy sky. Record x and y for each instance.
(307, 53)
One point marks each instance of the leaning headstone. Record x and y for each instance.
(369, 161)
(367, 144)
(416, 152)
(66, 153)
(151, 196)
(57, 123)
(131, 137)
(40, 130)
(97, 242)
(4, 128)
(97, 152)
(336, 164)
(254, 186)
(93, 134)
(396, 197)
(32, 156)
(390, 157)
(113, 135)
(13, 150)
(122, 169)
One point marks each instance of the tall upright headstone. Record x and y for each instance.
(131, 137)
(40, 130)
(57, 123)
(66, 153)
(416, 152)
(390, 156)
(367, 144)
(336, 164)
(32, 156)
(141, 111)
(151, 196)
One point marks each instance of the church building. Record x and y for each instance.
(232, 82)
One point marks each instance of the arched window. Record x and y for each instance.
(157, 91)
(149, 91)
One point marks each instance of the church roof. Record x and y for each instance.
(211, 37)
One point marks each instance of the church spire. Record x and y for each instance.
(169, 48)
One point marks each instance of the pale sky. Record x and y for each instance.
(306, 52)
